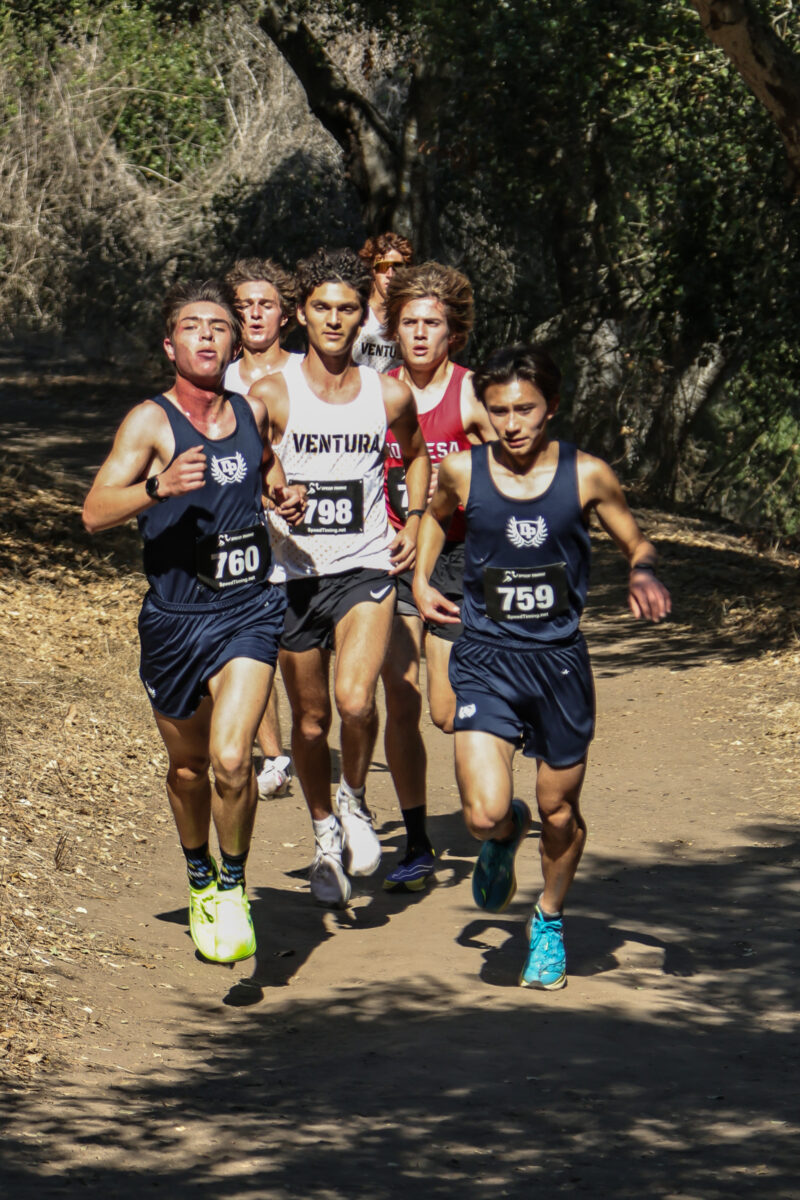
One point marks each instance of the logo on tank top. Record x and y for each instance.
(337, 443)
(228, 470)
(526, 533)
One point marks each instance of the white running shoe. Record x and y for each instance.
(329, 884)
(273, 779)
(362, 850)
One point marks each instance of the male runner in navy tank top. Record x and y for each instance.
(329, 419)
(191, 464)
(265, 300)
(429, 311)
(521, 670)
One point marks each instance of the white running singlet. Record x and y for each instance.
(233, 382)
(372, 349)
(337, 450)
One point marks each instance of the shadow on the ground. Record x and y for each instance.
(389, 1091)
(705, 583)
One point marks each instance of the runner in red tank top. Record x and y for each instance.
(429, 311)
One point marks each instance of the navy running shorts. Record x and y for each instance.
(317, 605)
(183, 646)
(541, 699)
(448, 578)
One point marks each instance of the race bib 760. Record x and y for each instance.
(233, 558)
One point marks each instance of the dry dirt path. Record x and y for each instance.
(387, 1051)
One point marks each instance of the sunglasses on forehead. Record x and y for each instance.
(385, 264)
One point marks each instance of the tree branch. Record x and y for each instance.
(765, 63)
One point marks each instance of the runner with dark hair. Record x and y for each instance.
(192, 465)
(521, 670)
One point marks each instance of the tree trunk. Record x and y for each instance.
(768, 67)
(393, 173)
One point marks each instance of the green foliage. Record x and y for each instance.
(595, 167)
(161, 98)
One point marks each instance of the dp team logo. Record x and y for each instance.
(228, 470)
(526, 533)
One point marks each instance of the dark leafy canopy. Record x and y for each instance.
(607, 180)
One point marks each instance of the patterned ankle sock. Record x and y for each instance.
(231, 872)
(199, 866)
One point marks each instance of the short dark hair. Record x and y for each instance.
(524, 360)
(445, 284)
(333, 266)
(192, 291)
(253, 270)
(382, 243)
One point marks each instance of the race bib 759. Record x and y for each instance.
(526, 593)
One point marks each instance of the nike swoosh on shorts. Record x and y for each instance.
(381, 592)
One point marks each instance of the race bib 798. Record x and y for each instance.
(332, 506)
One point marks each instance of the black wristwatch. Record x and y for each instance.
(151, 487)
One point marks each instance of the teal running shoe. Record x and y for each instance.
(546, 964)
(493, 880)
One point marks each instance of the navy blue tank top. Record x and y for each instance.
(526, 566)
(210, 545)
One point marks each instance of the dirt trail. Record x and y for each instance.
(387, 1051)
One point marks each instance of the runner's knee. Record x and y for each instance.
(232, 763)
(355, 703)
(481, 816)
(312, 726)
(443, 715)
(561, 817)
(188, 773)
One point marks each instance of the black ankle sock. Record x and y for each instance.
(199, 865)
(231, 872)
(416, 835)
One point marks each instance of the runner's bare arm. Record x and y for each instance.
(477, 425)
(600, 489)
(289, 500)
(143, 445)
(401, 416)
(272, 392)
(452, 489)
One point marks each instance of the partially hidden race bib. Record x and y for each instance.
(234, 558)
(397, 491)
(332, 506)
(525, 593)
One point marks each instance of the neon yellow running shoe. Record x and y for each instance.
(234, 933)
(203, 917)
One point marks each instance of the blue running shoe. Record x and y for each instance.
(412, 872)
(493, 880)
(546, 964)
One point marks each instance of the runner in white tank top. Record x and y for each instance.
(337, 451)
(329, 420)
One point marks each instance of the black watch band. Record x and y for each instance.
(151, 487)
(645, 566)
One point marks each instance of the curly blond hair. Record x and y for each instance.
(445, 284)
